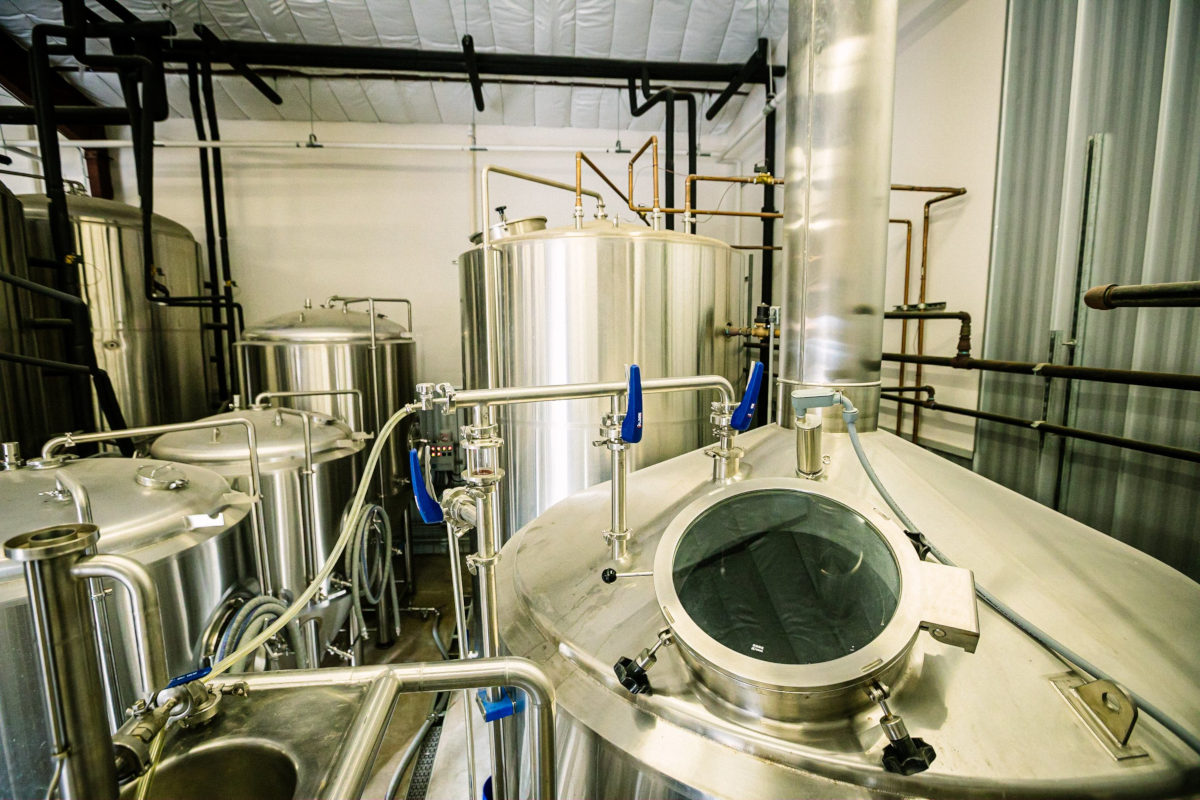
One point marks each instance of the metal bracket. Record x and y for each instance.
(1107, 710)
(503, 706)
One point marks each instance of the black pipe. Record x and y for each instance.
(210, 246)
(670, 96)
(926, 390)
(756, 62)
(768, 223)
(227, 284)
(34, 286)
(1183, 294)
(1042, 426)
(964, 331)
(27, 115)
(1126, 377)
(239, 66)
(394, 59)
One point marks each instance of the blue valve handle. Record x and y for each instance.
(188, 677)
(743, 415)
(631, 426)
(430, 509)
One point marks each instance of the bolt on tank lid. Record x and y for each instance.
(324, 325)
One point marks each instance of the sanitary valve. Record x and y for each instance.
(620, 431)
(632, 674)
(904, 754)
(728, 420)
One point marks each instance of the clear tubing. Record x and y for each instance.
(1003, 609)
(301, 602)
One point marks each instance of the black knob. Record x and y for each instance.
(609, 575)
(908, 756)
(631, 676)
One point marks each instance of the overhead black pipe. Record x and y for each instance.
(239, 66)
(1041, 426)
(1182, 294)
(210, 238)
(1126, 377)
(395, 59)
(669, 96)
(964, 330)
(468, 46)
(753, 66)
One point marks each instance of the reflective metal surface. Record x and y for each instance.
(841, 64)
(574, 306)
(303, 512)
(319, 349)
(154, 354)
(193, 542)
(999, 725)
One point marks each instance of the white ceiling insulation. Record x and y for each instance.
(657, 30)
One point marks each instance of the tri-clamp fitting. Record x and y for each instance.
(728, 419)
(618, 431)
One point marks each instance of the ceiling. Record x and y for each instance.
(658, 30)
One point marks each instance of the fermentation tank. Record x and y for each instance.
(305, 491)
(574, 305)
(330, 350)
(182, 522)
(155, 355)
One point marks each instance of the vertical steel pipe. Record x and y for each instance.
(841, 65)
(62, 622)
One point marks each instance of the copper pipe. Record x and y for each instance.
(943, 193)
(652, 143)
(581, 159)
(907, 223)
(754, 331)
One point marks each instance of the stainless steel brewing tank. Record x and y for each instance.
(580, 305)
(731, 720)
(298, 543)
(156, 355)
(325, 349)
(187, 527)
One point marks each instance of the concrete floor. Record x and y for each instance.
(431, 574)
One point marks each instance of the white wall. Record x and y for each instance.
(949, 65)
(309, 223)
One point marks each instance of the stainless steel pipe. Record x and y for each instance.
(580, 391)
(841, 66)
(60, 606)
(444, 676)
(147, 612)
(257, 522)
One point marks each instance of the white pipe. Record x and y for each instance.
(751, 127)
(264, 144)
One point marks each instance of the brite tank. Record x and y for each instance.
(328, 349)
(574, 305)
(155, 355)
(298, 546)
(182, 522)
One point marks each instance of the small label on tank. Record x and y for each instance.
(757, 648)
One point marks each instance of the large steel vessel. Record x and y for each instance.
(307, 481)
(155, 355)
(575, 305)
(331, 350)
(183, 523)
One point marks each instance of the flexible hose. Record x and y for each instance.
(354, 562)
(850, 414)
(255, 611)
(339, 547)
(413, 748)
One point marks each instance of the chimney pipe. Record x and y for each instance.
(840, 73)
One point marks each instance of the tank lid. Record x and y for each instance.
(512, 227)
(325, 325)
(280, 436)
(35, 206)
(131, 516)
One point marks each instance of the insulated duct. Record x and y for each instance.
(840, 72)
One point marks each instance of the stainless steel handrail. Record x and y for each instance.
(261, 398)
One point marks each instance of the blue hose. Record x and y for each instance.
(850, 415)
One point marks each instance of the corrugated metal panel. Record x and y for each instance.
(1134, 78)
(1037, 85)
